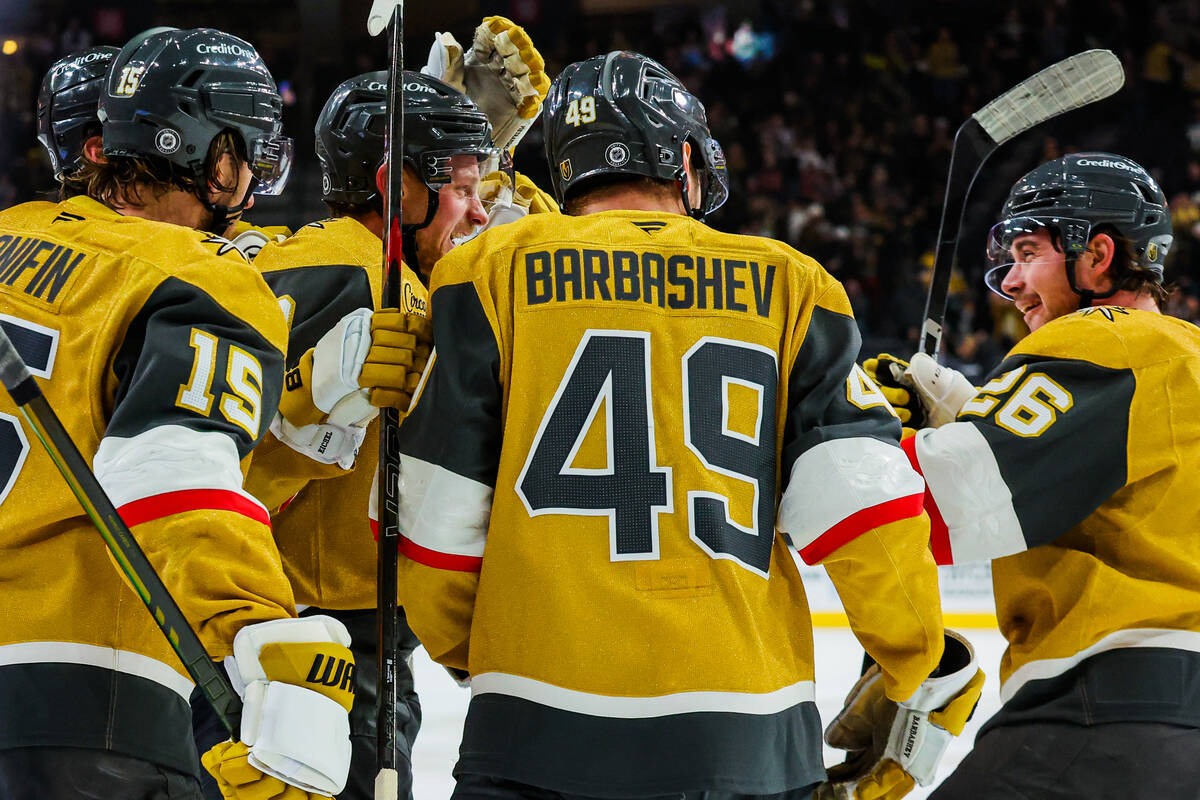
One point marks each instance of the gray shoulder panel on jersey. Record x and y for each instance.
(1060, 476)
(819, 408)
(456, 422)
(155, 361)
(320, 296)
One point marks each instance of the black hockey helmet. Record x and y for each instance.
(66, 106)
(350, 135)
(625, 114)
(439, 122)
(1072, 196)
(169, 92)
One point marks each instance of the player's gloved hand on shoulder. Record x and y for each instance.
(887, 372)
(296, 680)
(942, 391)
(893, 746)
(502, 72)
(368, 361)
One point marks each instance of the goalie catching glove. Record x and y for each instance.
(368, 361)
(893, 746)
(503, 73)
(296, 679)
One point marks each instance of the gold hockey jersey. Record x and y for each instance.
(620, 410)
(319, 512)
(1075, 468)
(160, 350)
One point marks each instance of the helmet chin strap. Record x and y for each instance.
(221, 214)
(1086, 296)
(408, 239)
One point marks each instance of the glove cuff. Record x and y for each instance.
(325, 443)
(298, 736)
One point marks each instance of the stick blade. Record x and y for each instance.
(1071, 83)
(381, 14)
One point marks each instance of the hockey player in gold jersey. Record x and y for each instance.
(162, 351)
(621, 407)
(328, 274)
(1074, 468)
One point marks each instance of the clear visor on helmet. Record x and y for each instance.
(437, 166)
(270, 162)
(1024, 239)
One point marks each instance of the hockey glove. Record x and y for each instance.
(893, 746)
(367, 361)
(942, 391)
(502, 72)
(504, 202)
(887, 372)
(296, 679)
(249, 242)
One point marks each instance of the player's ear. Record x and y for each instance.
(381, 178)
(93, 150)
(1103, 249)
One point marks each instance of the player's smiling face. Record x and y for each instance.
(460, 212)
(1037, 280)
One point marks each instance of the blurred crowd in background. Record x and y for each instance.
(837, 119)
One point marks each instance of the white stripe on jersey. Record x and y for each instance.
(970, 492)
(1132, 637)
(441, 510)
(168, 458)
(96, 656)
(839, 478)
(598, 705)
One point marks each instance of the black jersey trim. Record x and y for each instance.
(322, 295)
(1132, 684)
(520, 740)
(80, 705)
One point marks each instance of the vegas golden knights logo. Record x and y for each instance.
(566, 169)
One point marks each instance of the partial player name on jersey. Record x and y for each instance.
(44, 266)
(668, 280)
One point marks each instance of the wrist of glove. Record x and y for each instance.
(894, 746)
(324, 443)
(249, 242)
(296, 680)
(942, 391)
(503, 73)
(368, 361)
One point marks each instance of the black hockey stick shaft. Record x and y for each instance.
(389, 428)
(971, 148)
(36, 410)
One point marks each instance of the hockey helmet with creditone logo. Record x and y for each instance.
(66, 106)
(1071, 197)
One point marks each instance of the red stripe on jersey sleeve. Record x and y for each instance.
(939, 534)
(157, 506)
(859, 523)
(432, 558)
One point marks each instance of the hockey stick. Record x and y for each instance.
(389, 13)
(125, 550)
(1071, 83)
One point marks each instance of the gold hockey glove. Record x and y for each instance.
(296, 678)
(367, 361)
(502, 72)
(887, 371)
(894, 746)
